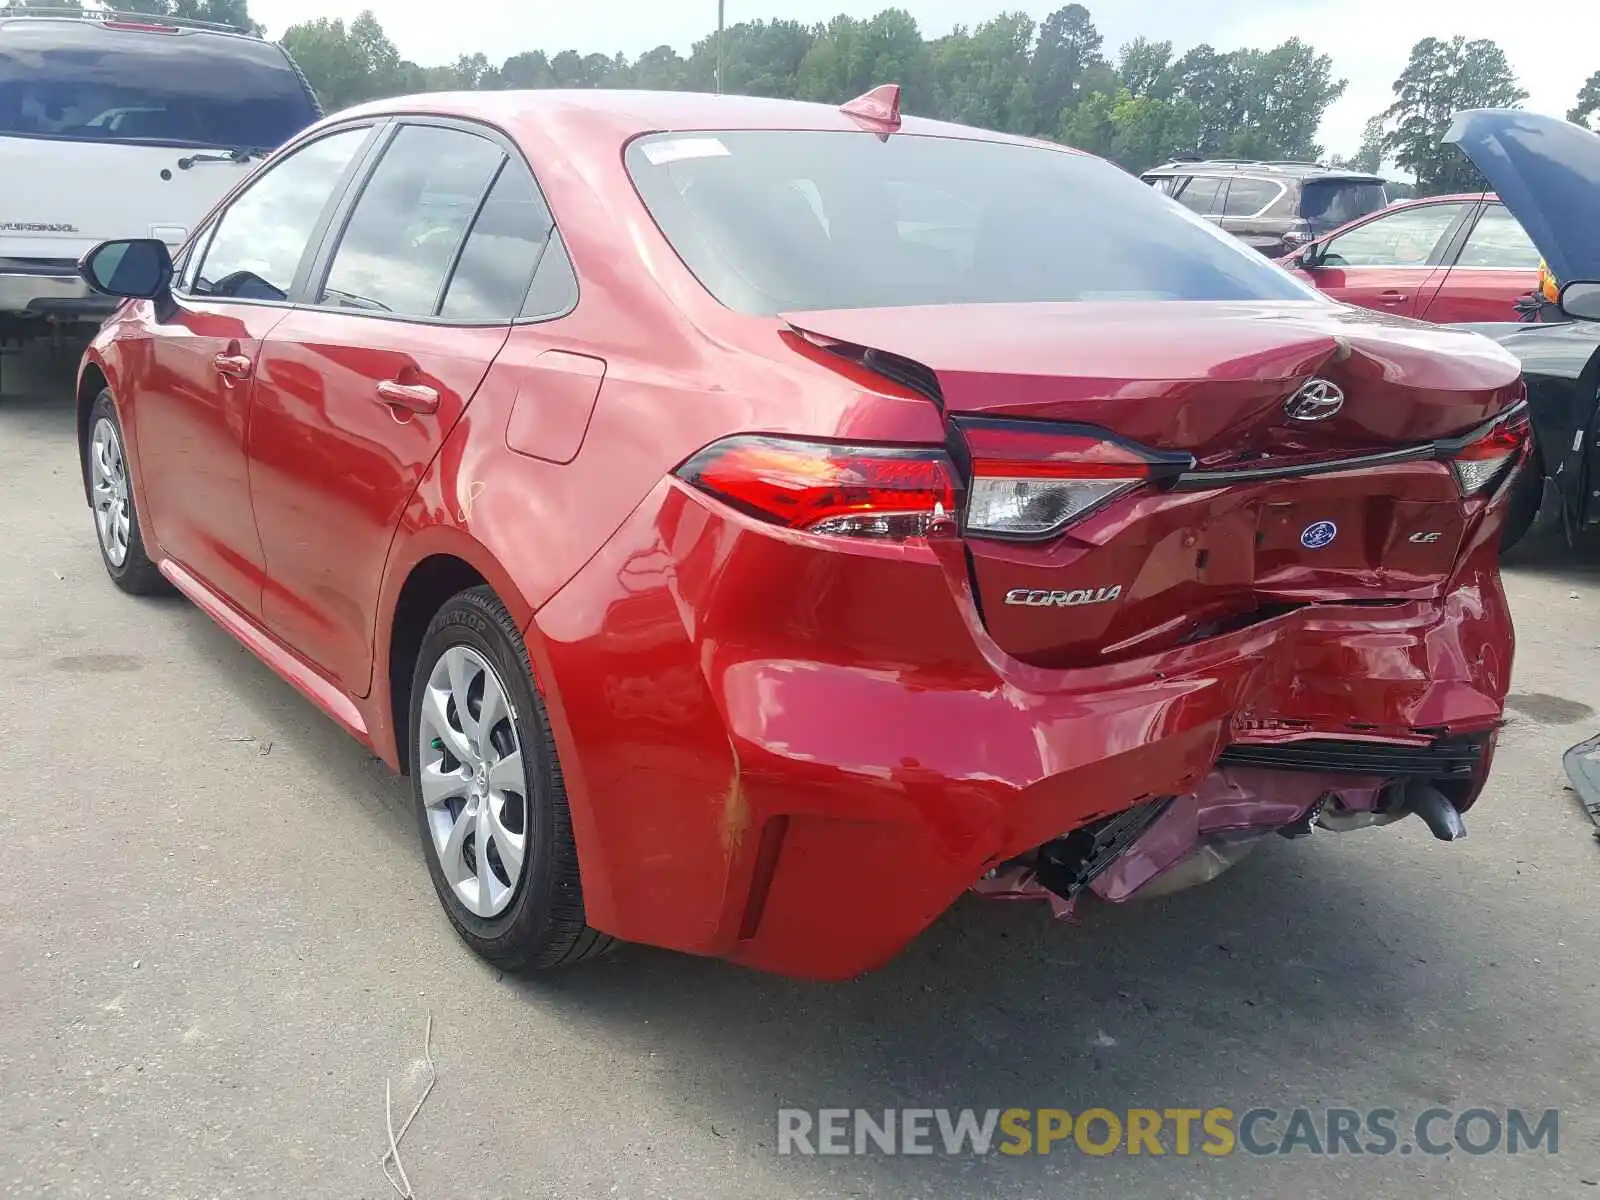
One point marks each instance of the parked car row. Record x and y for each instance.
(1273, 207)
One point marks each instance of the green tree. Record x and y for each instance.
(1145, 68)
(759, 58)
(1287, 90)
(1369, 157)
(661, 69)
(983, 77)
(1089, 127)
(1147, 130)
(349, 66)
(849, 57)
(1068, 63)
(1588, 101)
(1440, 80)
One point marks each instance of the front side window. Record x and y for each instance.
(772, 221)
(1406, 238)
(79, 81)
(256, 250)
(409, 223)
(1499, 241)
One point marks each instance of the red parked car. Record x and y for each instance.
(1444, 259)
(750, 538)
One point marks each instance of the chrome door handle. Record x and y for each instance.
(413, 397)
(235, 366)
(1392, 297)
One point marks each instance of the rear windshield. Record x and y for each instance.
(1329, 203)
(79, 81)
(775, 221)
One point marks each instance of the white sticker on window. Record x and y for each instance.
(661, 153)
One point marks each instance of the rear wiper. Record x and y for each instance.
(241, 155)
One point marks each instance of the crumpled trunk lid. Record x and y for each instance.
(1228, 542)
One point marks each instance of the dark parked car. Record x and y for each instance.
(1273, 207)
(1547, 173)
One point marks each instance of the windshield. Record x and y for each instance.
(776, 221)
(1327, 204)
(79, 81)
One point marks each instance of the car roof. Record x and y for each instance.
(122, 23)
(1289, 170)
(564, 115)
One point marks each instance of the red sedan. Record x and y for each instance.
(753, 537)
(1444, 259)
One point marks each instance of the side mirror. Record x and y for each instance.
(1309, 258)
(136, 269)
(1580, 300)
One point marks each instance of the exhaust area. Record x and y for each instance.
(1167, 844)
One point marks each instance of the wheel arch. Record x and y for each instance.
(426, 569)
(92, 380)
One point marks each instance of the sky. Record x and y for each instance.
(1368, 39)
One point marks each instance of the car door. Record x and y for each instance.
(1497, 265)
(357, 390)
(1387, 261)
(194, 408)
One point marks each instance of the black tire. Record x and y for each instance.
(1527, 494)
(543, 926)
(136, 574)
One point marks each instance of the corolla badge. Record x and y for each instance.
(1316, 401)
(1315, 537)
(1039, 598)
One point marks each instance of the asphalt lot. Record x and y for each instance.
(218, 939)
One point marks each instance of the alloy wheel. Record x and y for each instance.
(108, 480)
(474, 789)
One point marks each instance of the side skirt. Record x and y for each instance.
(294, 670)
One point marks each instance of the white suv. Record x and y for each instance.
(122, 126)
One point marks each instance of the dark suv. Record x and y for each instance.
(1271, 206)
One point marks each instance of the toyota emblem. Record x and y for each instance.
(1316, 401)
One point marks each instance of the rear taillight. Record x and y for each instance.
(1484, 460)
(1032, 481)
(887, 492)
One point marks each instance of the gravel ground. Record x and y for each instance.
(218, 941)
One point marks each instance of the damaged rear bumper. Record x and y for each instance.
(1182, 841)
(799, 763)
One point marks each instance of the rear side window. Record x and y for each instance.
(405, 230)
(1327, 204)
(73, 80)
(771, 221)
(1499, 241)
(1247, 197)
(261, 238)
(1200, 195)
(497, 263)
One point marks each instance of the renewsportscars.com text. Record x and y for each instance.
(1176, 1131)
